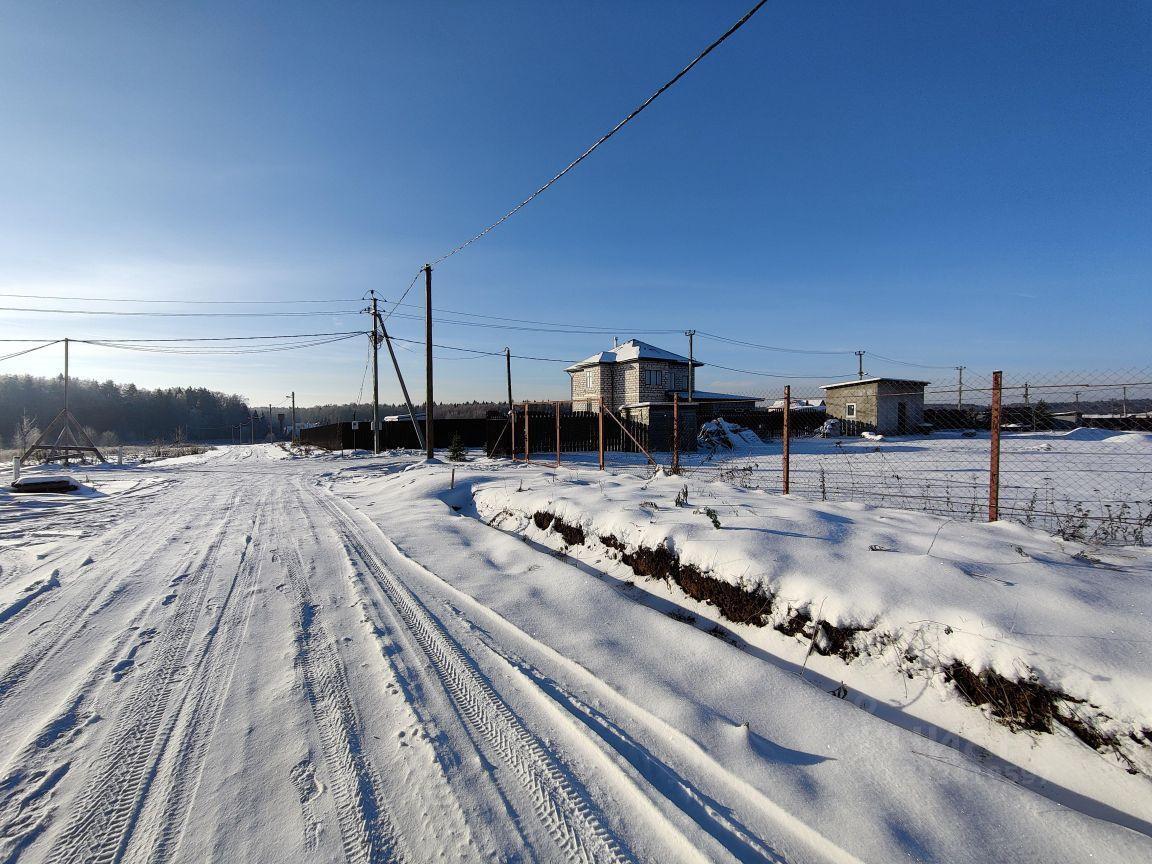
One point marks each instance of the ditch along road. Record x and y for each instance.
(234, 669)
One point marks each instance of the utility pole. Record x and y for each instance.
(691, 363)
(400, 378)
(375, 377)
(66, 414)
(292, 395)
(428, 410)
(508, 370)
(1124, 413)
(960, 386)
(860, 365)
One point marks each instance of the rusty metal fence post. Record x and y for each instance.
(994, 456)
(675, 433)
(557, 406)
(786, 437)
(600, 425)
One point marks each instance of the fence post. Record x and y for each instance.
(994, 461)
(557, 406)
(512, 443)
(675, 433)
(527, 440)
(600, 424)
(786, 434)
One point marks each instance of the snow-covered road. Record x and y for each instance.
(245, 657)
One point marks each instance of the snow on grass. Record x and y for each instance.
(817, 560)
(1043, 633)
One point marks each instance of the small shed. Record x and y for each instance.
(890, 406)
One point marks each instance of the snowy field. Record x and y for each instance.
(1090, 484)
(251, 655)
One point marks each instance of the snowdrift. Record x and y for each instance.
(1040, 634)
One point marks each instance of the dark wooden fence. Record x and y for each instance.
(394, 435)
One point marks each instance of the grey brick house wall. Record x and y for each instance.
(877, 405)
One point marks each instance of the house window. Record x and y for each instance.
(590, 379)
(850, 410)
(650, 377)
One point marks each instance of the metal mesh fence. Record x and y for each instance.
(1075, 449)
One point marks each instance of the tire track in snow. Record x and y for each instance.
(569, 817)
(179, 765)
(72, 619)
(366, 829)
(105, 810)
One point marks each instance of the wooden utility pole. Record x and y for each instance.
(508, 369)
(294, 430)
(600, 427)
(375, 377)
(960, 386)
(429, 441)
(691, 363)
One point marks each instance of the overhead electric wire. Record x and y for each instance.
(906, 362)
(776, 348)
(212, 350)
(481, 351)
(603, 138)
(119, 313)
(181, 301)
(29, 350)
(768, 374)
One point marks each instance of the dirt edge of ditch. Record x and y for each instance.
(1023, 705)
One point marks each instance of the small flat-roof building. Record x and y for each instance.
(889, 406)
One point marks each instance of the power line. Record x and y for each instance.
(603, 138)
(906, 362)
(213, 350)
(481, 351)
(28, 350)
(117, 312)
(770, 374)
(220, 338)
(777, 348)
(188, 302)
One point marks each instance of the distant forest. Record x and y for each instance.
(124, 413)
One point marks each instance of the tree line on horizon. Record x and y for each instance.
(114, 413)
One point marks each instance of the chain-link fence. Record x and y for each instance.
(1075, 449)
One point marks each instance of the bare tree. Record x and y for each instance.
(26, 433)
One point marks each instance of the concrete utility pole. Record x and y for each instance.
(375, 377)
(960, 386)
(66, 414)
(860, 365)
(403, 386)
(691, 363)
(428, 409)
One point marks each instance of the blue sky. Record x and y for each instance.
(935, 182)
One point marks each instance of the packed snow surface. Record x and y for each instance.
(244, 656)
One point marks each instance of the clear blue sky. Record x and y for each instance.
(937, 182)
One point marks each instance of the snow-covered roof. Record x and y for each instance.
(628, 351)
(872, 381)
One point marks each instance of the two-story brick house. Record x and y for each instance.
(634, 375)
